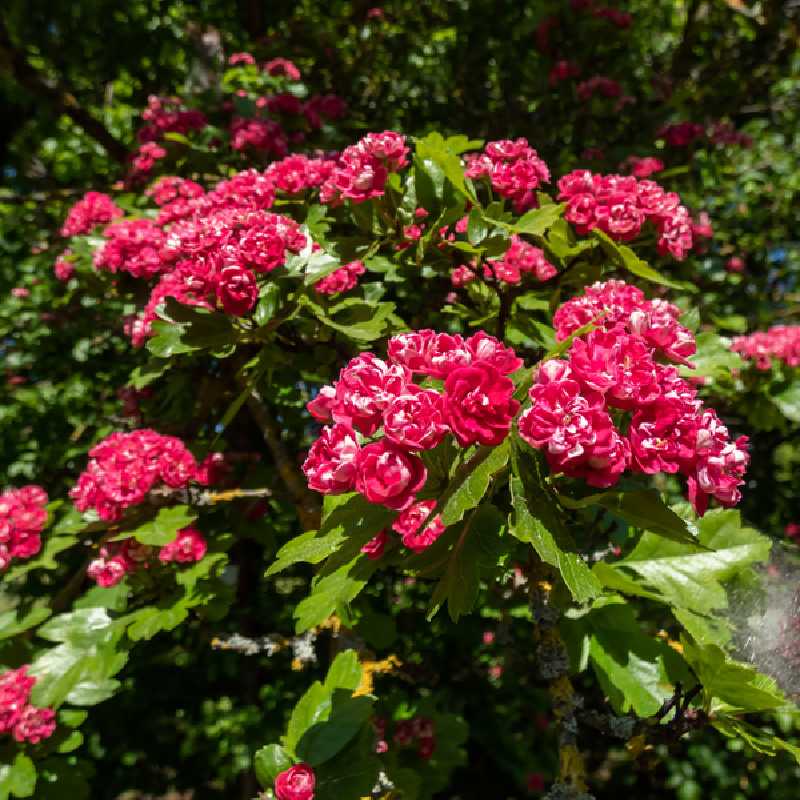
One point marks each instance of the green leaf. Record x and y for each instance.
(345, 672)
(689, 576)
(435, 148)
(81, 668)
(146, 373)
(353, 773)
(17, 779)
(643, 508)
(11, 623)
(538, 221)
(470, 482)
(636, 671)
(146, 622)
(479, 536)
(759, 739)
(334, 729)
(536, 520)
(714, 357)
(346, 517)
(623, 256)
(337, 588)
(729, 685)
(476, 227)
(356, 318)
(269, 762)
(165, 526)
(788, 401)
(318, 265)
(45, 559)
(268, 302)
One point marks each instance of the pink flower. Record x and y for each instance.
(415, 419)
(681, 134)
(342, 280)
(17, 716)
(479, 404)
(486, 348)
(563, 70)
(241, 58)
(364, 167)
(428, 352)
(259, 134)
(321, 407)
(330, 467)
(35, 724)
(514, 170)
(781, 342)
(23, 515)
(284, 67)
(124, 467)
(410, 521)
(295, 783)
(792, 530)
(107, 572)
(188, 547)
(237, 290)
(461, 276)
(389, 476)
(374, 548)
(93, 209)
(735, 264)
(64, 268)
(644, 167)
(521, 257)
(364, 390)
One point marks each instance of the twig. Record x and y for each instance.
(308, 506)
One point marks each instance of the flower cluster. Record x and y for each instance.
(476, 407)
(117, 559)
(64, 268)
(598, 84)
(407, 732)
(620, 205)
(363, 168)
(296, 783)
(563, 70)
(132, 246)
(125, 467)
(514, 169)
(264, 135)
(22, 517)
(297, 173)
(208, 248)
(282, 67)
(643, 167)
(781, 342)
(25, 722)
(168, 115)
(342, 280)
(520, 258)
(614, 371)
(681, 134)
(93, 209)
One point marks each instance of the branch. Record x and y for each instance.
(57, 95)
(308, 506)
(554, 668)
